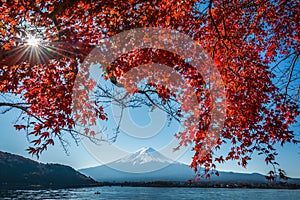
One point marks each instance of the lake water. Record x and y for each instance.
(153, 193)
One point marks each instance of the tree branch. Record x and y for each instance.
(290, 74)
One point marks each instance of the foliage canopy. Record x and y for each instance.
(253, 44)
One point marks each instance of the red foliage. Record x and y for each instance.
(242, 37)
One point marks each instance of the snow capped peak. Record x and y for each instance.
(143, 160)
(143, 156)
(145, 150)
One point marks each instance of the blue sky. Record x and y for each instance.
(140, 128)
(79, 157)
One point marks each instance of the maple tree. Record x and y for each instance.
(249, 42)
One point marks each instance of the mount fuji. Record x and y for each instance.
(144, 160)
(148, 164)
(144, 156)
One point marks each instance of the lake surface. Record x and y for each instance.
(117, 192)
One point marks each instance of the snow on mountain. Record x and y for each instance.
(147, 164)
(145, 159)
(143, 156)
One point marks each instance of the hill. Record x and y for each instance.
(17, 172)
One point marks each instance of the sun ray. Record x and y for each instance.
(35, 51)
(33, 41)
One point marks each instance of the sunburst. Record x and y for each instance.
(35, 49)
(33, 41)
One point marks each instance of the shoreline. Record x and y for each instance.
(162, 184)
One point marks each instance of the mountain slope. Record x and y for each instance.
(143, 156)
(19, 172)
(137, 167)
(145, 164)
(142, 161)
(172, 172)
